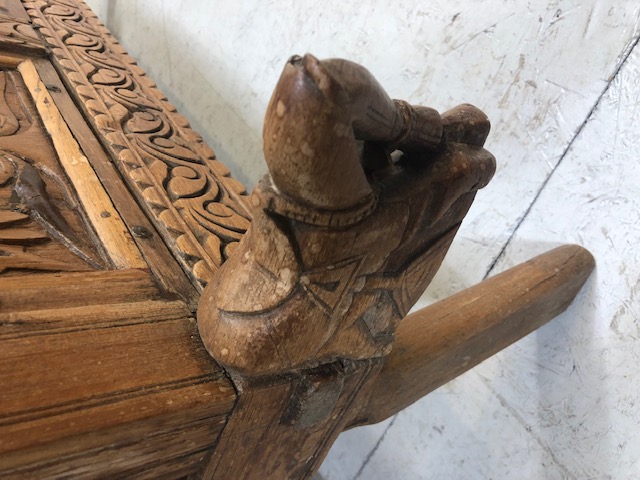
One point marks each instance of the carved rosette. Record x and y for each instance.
(198, 208)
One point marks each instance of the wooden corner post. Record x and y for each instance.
(363, 198)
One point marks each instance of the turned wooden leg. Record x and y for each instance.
(437, 343)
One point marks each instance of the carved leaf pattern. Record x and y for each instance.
(18, 231)
(198, 208)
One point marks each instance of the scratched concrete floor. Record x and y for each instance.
(561, 83)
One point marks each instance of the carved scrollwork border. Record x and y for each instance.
(18, 34)
(200, 211)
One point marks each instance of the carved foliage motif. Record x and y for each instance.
(30, 219)
(41, 224)
(199, 209)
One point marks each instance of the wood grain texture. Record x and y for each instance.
(364, 197)
(198, 208)
(14, 10)
(42, 225)
(74, 289)
(261, 439)
(440, 53)
(161, 261)
(51, 232)
(345, 239)
(78, 317)
(106, 221)
(437, 343)
(16, 32)
(102, 372)
(103, 376)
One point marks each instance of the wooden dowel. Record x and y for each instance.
(436, 344)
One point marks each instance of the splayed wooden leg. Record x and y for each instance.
(437, 343)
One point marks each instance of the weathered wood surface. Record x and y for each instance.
(362, 202)
(344, 239)
(437, 343)
(199, 210)
(156, 253)
(102, 372)
(282, 427)
(102, 376)
(17, 32)
(101, 214)
(41, 225)
(550, 61)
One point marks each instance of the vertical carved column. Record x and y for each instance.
(363, 198)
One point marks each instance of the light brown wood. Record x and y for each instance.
(328, 269)
(11, 60)
(283, 427)
(17, 33)
(198, 209)
(45, 228)
(437, 343)
(155, 252)
(71, 289)
(79, 316)
(344, 240)
(104, 218)
(103, 373)
(96, 381)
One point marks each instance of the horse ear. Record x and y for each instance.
(309, 143)
(466, 124)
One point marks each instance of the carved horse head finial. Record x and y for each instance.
(345, 237)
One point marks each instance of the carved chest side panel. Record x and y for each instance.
(43, 225)
(98, 344)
